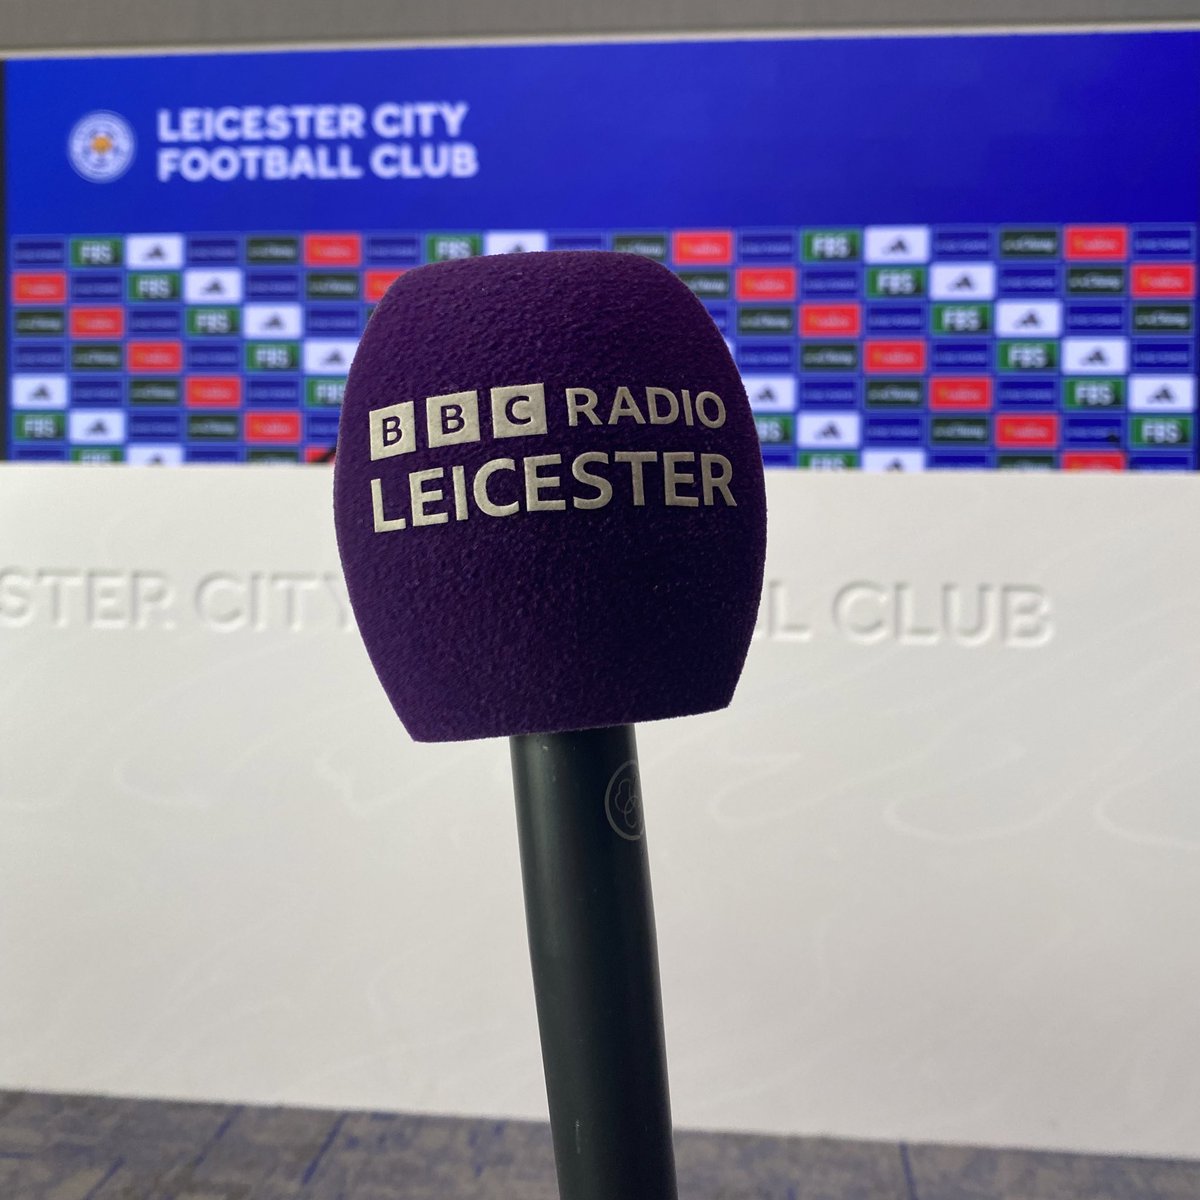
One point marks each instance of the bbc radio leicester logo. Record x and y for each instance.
(101, 146)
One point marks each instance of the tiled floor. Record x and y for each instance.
(93, 1148)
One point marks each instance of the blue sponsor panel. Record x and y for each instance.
(1149, 356)
(1027, 393)
(893, 430)
(155, 426)
(155, 322)
(88, 288)
(107, 393)
(1162, 462)
(831, 282)
(39, 252)
(1026, 280)
(1093, 432)
(181, 196)
(757, 356)
(953, 358)
(960, 460)
(895, 318)
(829, 393)
(1094, 318)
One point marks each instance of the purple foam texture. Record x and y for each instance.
(501, 590)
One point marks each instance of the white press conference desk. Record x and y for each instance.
(934, 876)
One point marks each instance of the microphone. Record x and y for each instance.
(550, 511)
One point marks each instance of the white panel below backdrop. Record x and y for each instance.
(935, 875)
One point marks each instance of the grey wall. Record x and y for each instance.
(39, 24)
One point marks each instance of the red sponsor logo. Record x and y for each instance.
(1163, 279)
(831, 320)
(318, 454)
(166, 357)
(1093, 460)
(1097, 241)
(903, 358)
(375, 283)
(1018, 430)
(39, 287)
(960, 392)
(97, 322)
(272, 427)
(213, 391)
(702, 247)
(766, 283)
(332, 249)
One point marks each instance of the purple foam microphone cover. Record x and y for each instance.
(548, 496)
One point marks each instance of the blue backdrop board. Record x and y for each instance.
(942, 251)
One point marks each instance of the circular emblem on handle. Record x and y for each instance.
(623, 802)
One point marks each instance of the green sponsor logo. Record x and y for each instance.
(1029, 243)
(154, 391)
(213, 322)
(1090, 394)
(39, 322)
(152, 285)
(708, 285)
(97, 454)
(956, 430)
(961, 318)
(1109, 281)
(105, 357)
(273, 249)
(328, 285)
(895, 282)
(829, 356)
(775, 429)
(212, 427)
(441, 246)
(831, 245)
(766, 320)
(1162, 318)
(895, 393)
(1026, 356)
(324, 393)
(1160, 431)
(96, 252)
(828, 460)
(273, 456)
(648, 245)
(1026, 462)
(272, 356)
(40, 426)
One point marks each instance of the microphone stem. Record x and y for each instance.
(595, 963)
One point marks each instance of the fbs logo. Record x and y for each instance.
(101, 146)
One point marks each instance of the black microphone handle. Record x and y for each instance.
(595, 963)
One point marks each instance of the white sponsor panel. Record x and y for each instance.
(154, 455)
(829, 430)
(202, 286)
(880, 460)
(962, 281)
(1095, 356)
(1029, 318)
(506, 241)
(328, 356)
(896, 244)
(39, 391)
(146, 251)
(272, 320)
(771, 393)
(1162, 393)
(96, 426)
